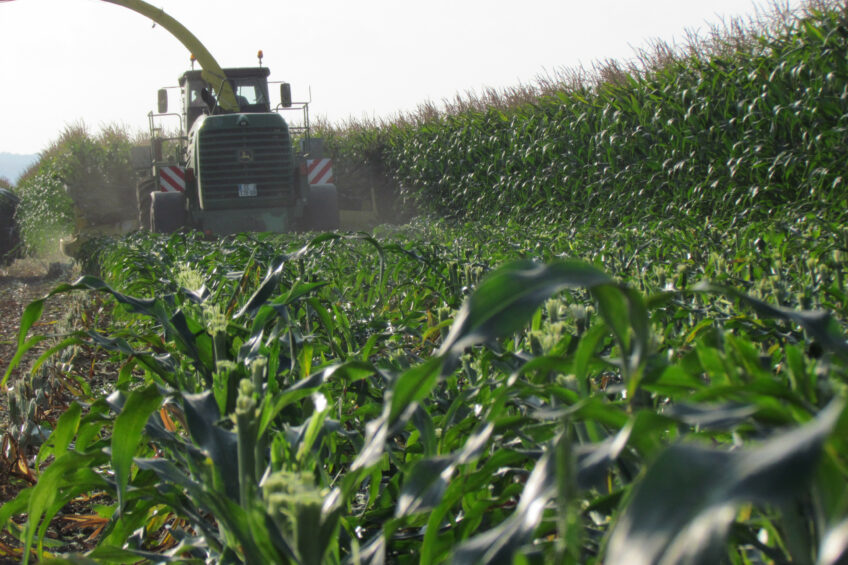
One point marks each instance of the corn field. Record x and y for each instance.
(743, 131)
(616, 334)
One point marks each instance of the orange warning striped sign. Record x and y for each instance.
(172, 179)
(320, 171)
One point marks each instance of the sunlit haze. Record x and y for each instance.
(66, 61)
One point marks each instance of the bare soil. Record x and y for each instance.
(21, 283)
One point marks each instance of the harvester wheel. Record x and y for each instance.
(322, 208)
(9, 236)
(167, 211)
(143, 190)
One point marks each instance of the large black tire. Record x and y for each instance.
(322, 208)
(143, 191)
(10, 241)
(167, 211)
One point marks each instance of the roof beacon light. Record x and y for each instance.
(260, 55)
(193, 59)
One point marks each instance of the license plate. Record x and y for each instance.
(247, 189)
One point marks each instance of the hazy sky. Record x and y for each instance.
(69, 60)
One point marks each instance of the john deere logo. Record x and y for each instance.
(245, 156)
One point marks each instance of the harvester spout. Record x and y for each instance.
(211, 70)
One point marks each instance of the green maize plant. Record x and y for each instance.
(342, 402)
(737, 123)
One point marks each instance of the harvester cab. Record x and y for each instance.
(249, 85)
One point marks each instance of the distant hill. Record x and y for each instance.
(13, 165)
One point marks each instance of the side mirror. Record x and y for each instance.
(285, 95)
(163, 101)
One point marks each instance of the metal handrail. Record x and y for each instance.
(302, 107)
(152, 124)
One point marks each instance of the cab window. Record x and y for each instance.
(194, 99)
(248, 92)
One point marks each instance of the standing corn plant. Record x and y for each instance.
(492, 448)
